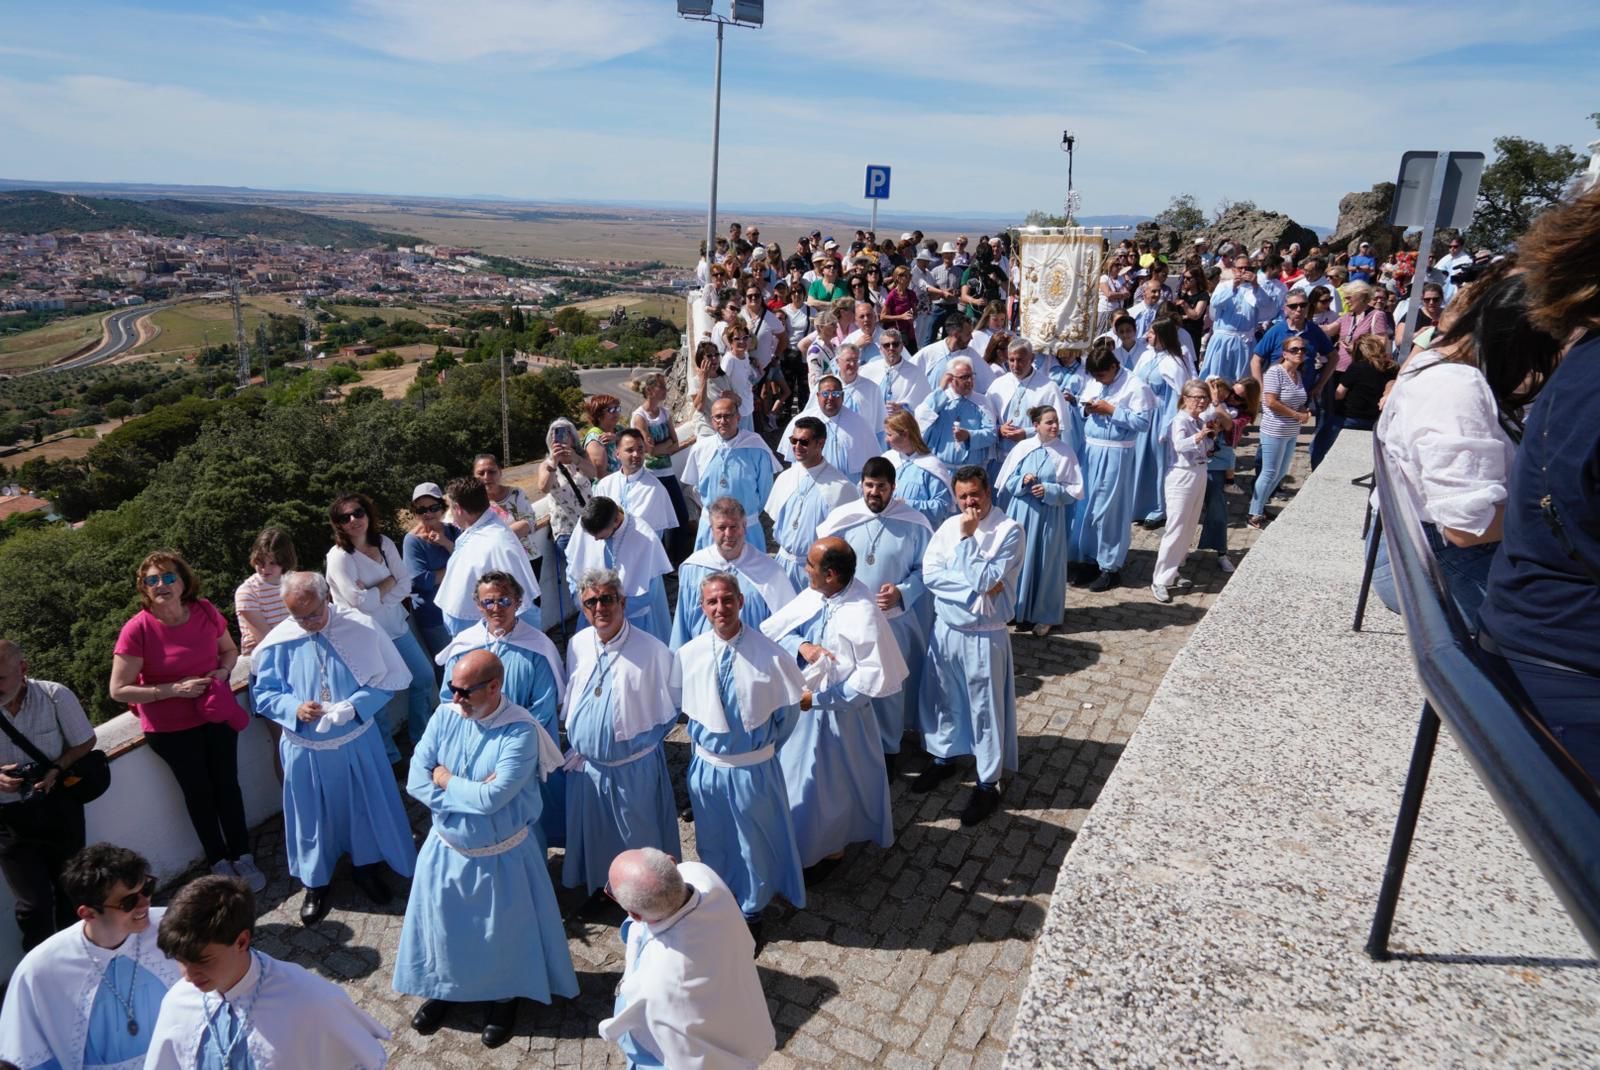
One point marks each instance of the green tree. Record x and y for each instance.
(572, 320)
(363, 395)
(1525, 178)
(1182, 213)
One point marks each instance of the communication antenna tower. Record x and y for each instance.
(238, 323)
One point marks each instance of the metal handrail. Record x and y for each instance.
(1545, 795)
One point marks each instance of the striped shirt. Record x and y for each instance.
(1291, 392)
(259, 597)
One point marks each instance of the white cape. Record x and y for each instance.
(705, 448)
(299, 1021)
(641, 668)
(863, 439)
(647, 498)
(831, 485)
(857, 512)
(524, 636)
(992, 531)
(925, 461)
(52, 992)
(365, 649)
(1067, 470)
(550, 757)
(487, 546)
(635, 548)
(866, 654)
(765, 679)
(756, 568)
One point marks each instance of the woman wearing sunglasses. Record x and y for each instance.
(171, 665)
(366, 572)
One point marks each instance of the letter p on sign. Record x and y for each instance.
(877, 182)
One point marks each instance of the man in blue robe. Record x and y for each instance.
(763, 583)
(889, 538)
(609, 538)
(957, 423)
(1023, 388)
(730, 463)
(323, 675)
(740, 690)
(618, 711)
(806, 492)
(482, 924)
(1118, 409)
(969, 697)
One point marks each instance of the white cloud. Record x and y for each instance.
(543, 34)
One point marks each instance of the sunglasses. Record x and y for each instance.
(891, 345)
(354, 514)
(600, 600)
(130, 902)
(497, 603)
(427, 510)
(752, 296)
(466, 692)
(1294, 349)
(829, 394)
(1432, 300)
(799, 440)
(1295, 304)
(166, 579)
(613, 410)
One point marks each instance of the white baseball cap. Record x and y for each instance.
(427, 490)
(758, 253)
(906, 236)
(947, 247)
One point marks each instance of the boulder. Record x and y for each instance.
(1241, 223)
(1365, 217)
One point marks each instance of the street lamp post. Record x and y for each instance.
(1068, 140)
(749, 14)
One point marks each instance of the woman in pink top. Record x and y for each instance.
(171, 664)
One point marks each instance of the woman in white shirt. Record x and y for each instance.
(1450, 427)
(366, 573)
(1190, 440)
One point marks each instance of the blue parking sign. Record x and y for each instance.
(877, 182)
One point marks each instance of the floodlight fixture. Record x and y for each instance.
(694, 8)
(749, 12)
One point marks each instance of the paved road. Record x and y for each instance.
(910, 957)
(121, 335)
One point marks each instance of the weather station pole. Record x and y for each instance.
(1068, 141)
(749, 14)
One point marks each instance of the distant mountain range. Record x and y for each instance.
(35, 211)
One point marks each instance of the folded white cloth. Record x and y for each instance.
(337, 714)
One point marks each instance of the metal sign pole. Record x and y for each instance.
(874, 216)
(1425, 249)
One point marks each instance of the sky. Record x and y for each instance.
(1289, 105)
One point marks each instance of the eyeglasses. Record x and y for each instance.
(1432, 300)
(497, 603)
(600, 600)
(1295, 304)
(752, 296)
(613, 410)
(890, 345)
(466, 692)
(130, 902)
(166, 579)
(830, 394)
(298, 619)
(960, 378)
(357, 513)
(427, 510)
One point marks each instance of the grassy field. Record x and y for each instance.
(42, 345)
(390, 315)
(663, 306)
(193, 325)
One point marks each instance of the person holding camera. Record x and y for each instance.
(41, 826)
(1190, 441)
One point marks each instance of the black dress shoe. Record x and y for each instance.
(984, 802)
(891, 764)
(371, 883)
(430, 1016)
(499, 1022)
(933, 776)
(756, 933)
(821, 871)
(1105, 581)
(315, 906)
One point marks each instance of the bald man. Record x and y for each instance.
(690, 994)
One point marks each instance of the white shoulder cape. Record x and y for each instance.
(925, 461)
(1067, 470)
(765, 679)
(857, 512)
(641, 667)
(365, 649)
(858, 635)
(760, 570)
(488, 545)
(831, 484)
(649, 503)
(524, 636)
(637, 551)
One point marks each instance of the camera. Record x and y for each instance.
(31, 774)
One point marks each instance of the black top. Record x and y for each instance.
(1364, 385)
(1544, 585)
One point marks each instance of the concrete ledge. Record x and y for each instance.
(1214, 908)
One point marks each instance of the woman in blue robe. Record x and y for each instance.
(1235, 311)
(1037, 490)
(1071, 379)
(921, 480)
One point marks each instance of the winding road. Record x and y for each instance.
(121, 333)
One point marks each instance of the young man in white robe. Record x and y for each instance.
(890, 538)
(618, 712)
(935, 357)
(850, 440)
(482, 924)
(485, 544)
(690, 995)
(833, 759)
(89, 995)
(323, 675)
(730, 463)
(1026, 385)
(607, 537)
(636, 489)
(806, 492)
(741, 691)
(239, 1009)
(969, 697)
(762, 581)
(862, 396)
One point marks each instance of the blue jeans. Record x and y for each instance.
(1465, 569)
(1276, 453)
(1568, 702)
(1330, 421)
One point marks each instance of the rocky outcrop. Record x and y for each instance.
(1243, 224)
(1365, 217)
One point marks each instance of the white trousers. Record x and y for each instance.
(1186, 492)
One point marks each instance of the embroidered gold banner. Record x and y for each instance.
(1060, 287)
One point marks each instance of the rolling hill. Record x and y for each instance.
(41, 212)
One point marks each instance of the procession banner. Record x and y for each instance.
(1060, 287)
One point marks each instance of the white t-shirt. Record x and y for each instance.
(765, 334)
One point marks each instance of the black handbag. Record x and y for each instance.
(87, 779)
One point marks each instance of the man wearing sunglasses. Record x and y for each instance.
(850, 439)
(89, 995)
(485, 544)
(482, 924)
(324, 675)
(1296, 322)
(807, 491)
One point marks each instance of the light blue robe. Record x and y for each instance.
(969, 696)
(832, 760)
(744, 473)
(647, 612)
(488, 927)
(1234, 314)
(1101, 525)
(613, 808)
(795, 526)
(338, 801)
(223, 1036)
(531, 683)
(743, 827)
(924, 492)
(690, 621)
(1150, 456)
(1071, 380)
(1046, 526)
(896, 548)
(951, 411)
(108, 1041)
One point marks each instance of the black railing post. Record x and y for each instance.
(1405, 827)
(1374, 539)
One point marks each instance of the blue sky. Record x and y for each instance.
(1290, 105)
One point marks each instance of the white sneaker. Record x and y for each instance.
(1225, 563)
(1159, 593)
(224, 868)
(1183, 583)
(248, 872)
(1234, 489)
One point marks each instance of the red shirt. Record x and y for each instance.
(172, 653)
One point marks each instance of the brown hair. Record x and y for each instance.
(906, 424)
(595, 405)
(340, 539)
(274, 544)
(1373, 349)
(210, 910)
(1561, 255)
(168, 561)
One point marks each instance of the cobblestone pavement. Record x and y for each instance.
(915, 956)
